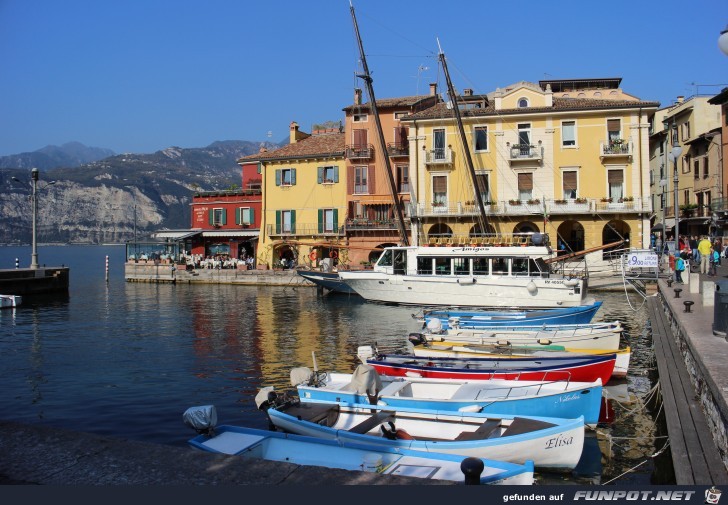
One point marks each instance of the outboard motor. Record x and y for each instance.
(201, 419)
(417, 339)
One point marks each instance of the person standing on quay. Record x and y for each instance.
(704, 248)
(694, 247)
(679, 267)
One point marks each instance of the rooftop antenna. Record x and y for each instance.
(420, 69)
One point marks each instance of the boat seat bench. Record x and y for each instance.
(520, 425)
(372, 422)
(484, 431)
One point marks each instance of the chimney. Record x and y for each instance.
(680, 99)
(294, 133)
(357, 96)
(433, 89)
(467, 92)
(263, 149)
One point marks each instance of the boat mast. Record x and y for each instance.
(380, 135)
(468, 158)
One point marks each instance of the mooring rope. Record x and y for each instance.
(639, 464)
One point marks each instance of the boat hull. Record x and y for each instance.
(486, 291)
(301, 450)
(609, 338)
(582, 369)
(582, 314)
(327, 280)
(564, 399)
(556, 445)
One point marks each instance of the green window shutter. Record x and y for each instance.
(238, 216)
(321, 220)
(278, 177)
(224, 216)
(320, 175)
(293, 221)
(336, 174)
(336, 220)
(278, 222)
(293, 177)
(211, 217)
(260, 168)
(251, 215)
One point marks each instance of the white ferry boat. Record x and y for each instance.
(497, 271)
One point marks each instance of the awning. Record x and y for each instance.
(669, 224)
(230, 233)
(176, 234)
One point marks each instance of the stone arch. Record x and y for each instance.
(572, 234)
(526, 227)
(477, 230)
(615, 231)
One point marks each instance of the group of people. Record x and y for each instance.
(700, 251)
(219, 261)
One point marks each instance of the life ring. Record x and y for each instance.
(333, 255)
(312, 255)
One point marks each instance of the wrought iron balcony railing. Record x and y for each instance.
(359, 152)
(398, 149)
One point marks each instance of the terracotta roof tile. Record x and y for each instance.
(403, 101)
(323, 145)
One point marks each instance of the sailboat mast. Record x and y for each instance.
(380, 135)
(468, 158)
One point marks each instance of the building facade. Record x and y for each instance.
(568, 158)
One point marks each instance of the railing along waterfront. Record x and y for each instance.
(534, 206)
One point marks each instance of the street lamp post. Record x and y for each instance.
(723, 41)
(34, 176)
(674, 155)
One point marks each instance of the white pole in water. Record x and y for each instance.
(315, 366)
(17, 263)
(107, 268)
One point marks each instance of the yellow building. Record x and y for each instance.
(304, 199)
(569, 158)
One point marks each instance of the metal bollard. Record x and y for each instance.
(677, 292)
(688, 304)
(472, 468)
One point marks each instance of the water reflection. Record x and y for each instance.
(126, 359)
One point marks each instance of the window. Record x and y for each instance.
(614, 129)
(286, 177)
(696, 169)
(525, 186)
(522, 103)
(484, 187)
(706, 168)
(360, 180)
(524, 135)
(499, 266)
(480, 266)
(439, 190)
(399, 115)
(615, 181)
(438, 140)
(328, 220)
(686, 196)
(462, 266)
(218, 217)
(568, 133)
(663, 199)
(244, 215)
(685, 130)
(442, 266)
(360, 118)
(424, 266)
(285, 221)
(403, 179)
(328, 175)
(569, 184)
(519, 266)
(481, 138)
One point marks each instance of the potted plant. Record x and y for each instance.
(607, 199)
(560, 202)
(534, 201)
(514, 202)
(580, 200)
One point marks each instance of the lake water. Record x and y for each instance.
(127, 359)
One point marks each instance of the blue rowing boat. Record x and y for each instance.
(582, 314)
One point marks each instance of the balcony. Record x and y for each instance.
(440, 156)
(525, 152)
(535, 207)
(302, 229)
(615, 149)
(359, 152)
(360, 224)
(397, 149)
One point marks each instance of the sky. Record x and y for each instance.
(137, 76)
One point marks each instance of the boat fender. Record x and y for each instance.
(532, 288)
(312, 256)
(403, 435)
(333, 255)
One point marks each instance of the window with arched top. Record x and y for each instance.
(522, 103)
(581, 95)
(597, 94)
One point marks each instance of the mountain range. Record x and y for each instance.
(91, 195)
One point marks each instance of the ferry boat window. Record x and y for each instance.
(400, 262)
(519, 266)
(462, 266)
(385, 260)
(442, 266)
(424, 266)
(499, 266)
(480, 266)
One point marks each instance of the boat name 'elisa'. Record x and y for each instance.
(559, 441)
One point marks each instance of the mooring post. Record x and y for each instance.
(17, 263)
